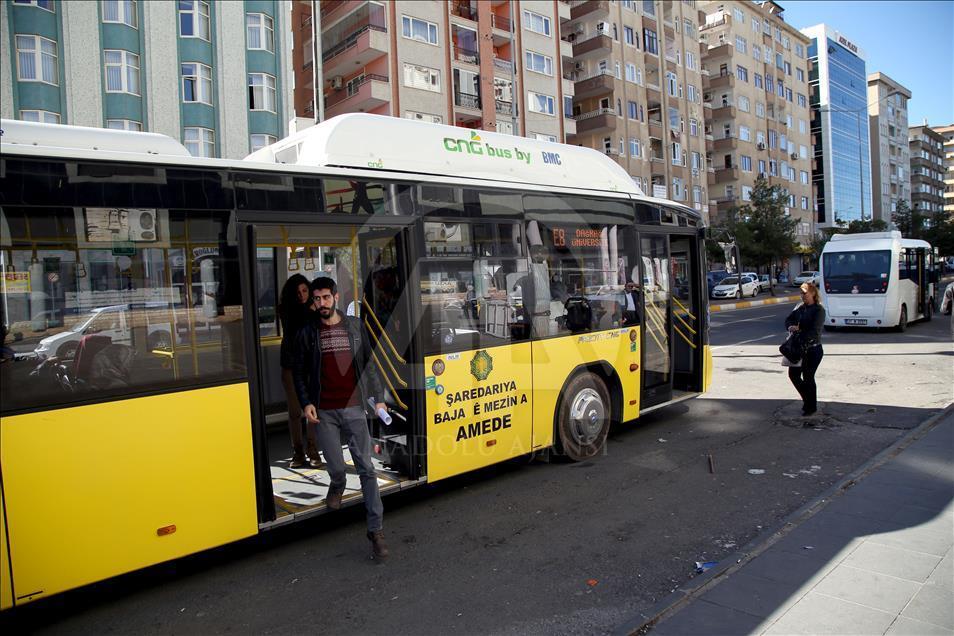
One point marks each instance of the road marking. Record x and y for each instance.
(771, 335)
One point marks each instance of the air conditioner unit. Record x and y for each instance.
(581, 66)
(794, 155)
(142, 225)
(337, 82)
(760, 146)
(602, 27)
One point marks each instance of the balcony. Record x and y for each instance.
(724, 112)
(501, 22)
(598, 84)
(720, 50)
(502, 107)
(464, 10)
(722, 81)
(466, 55)
(330, 6)
(725, 174)
(569, 125)
(466, 100)
(563, 10)
(359, 49)
(501, 64)
(566, 49)
(587, 8)
(596, 43)
(595, 121)
(569, 89)
(726, 143)
(653, 87)
(359, 95)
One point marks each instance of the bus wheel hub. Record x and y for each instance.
(587, 413)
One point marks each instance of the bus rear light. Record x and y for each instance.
(491, 442)
(165, 530)
(634, 367)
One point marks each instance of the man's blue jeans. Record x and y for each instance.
(353, 424)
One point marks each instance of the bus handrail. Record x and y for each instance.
(364, 301)
(387, 380)
(397, 376)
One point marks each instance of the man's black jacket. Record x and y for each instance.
(307, 367)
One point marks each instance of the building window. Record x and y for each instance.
(804, 177)
(427, 79)
(633, 147)
(759, 109)
(200, 142)
(539, 63)
(420, 30)
(689, 30)
(650, 44)
(124, 124)
(122, 72)
(194, 19)
(743, 102)
(629, 36)
(536, 22)
(742, 73)
(42, 4)
(740, 44)
(746, 163)
(693, 128)
(745, 133)
(805, 203)
(36, 59)
(761, 167)
(41, 116)
(543, 137)
(260, 32)
(802, 101)
(196, 83)
(672, 84)
(257, 141)
(121, 12)
(261, 92)
(676, 149)
(631, 111)
(690, 61)
(757, 80)
(630, 72)
(540, 103)
(434, 119)
(691, 93)
(756, 53)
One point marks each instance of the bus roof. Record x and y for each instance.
(362, 140)
(84, 138)
(871, 241)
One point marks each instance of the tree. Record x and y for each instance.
(762, 230)
(909, 222)
(870, 225)
(940, 232)
(819, 240)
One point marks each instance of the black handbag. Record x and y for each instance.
(792, 348)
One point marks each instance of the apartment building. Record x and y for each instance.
(841, 170)
(636, 71)
(755, 69)
(461, 62)
(948, 133)
(213, 74)
(927, 169)
(888, 131)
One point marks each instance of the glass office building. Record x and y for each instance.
(841, 174)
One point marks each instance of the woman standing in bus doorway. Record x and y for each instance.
(806, 320)
(295, 311)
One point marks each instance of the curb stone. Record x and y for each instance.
(754, 303)
(644, 620)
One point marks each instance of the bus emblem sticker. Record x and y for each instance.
(481, 365)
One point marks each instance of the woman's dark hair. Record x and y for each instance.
(288, 301)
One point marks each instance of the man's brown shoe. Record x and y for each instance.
(333, 500)
(298, 460)
(379, 549)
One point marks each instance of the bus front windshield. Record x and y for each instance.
(857, 272)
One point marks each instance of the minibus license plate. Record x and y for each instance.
(856, 321)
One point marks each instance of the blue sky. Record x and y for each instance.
(911, 42)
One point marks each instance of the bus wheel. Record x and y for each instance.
(583, 417)
(903, 323)
(828, 327)
(928, 310)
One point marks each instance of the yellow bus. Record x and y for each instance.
(521, 296)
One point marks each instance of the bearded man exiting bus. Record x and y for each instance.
(334, 377)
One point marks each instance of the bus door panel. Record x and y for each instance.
(657, 325)
(479, 408)
(687, 329)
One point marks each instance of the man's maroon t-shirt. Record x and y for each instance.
(338, 381)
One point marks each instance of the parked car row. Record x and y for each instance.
(723, 285)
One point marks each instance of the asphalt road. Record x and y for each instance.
(543, 548)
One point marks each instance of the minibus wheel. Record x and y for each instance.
(903, 322)
(583, 417)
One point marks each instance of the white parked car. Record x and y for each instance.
(113, 321)
(807, 277)
(729, 287)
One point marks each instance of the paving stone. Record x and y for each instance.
(817, 545)
(752, 595)
(820, 614)
(830, 522)
(932, 604)
(896, 562)
(927, 518)
(910, 627)
(916, 539)
(853, 503)
(871, 589)
(796, 569)
(943, 575)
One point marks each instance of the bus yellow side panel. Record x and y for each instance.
(479, 408)
(87, 488)
(707, 368)
(555, 359)
(6, 584)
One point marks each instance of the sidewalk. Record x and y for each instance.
(753, 303)
(874, 556)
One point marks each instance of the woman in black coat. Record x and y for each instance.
(806, 320)
(294, 310)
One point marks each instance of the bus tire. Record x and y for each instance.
(903, 321)
(928, 310)
(583, 417)
(828, 327)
